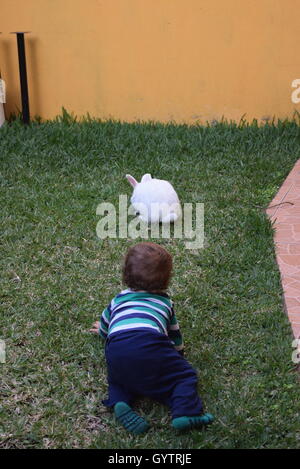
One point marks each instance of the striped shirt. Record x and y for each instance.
(141, 310)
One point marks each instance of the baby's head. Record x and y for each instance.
(147, 266)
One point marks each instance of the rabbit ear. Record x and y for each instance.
(131, 179)
(146, 177)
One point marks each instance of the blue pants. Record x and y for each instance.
(143, 363)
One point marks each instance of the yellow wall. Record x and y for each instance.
(181, 60)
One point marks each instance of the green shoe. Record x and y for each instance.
(187, 423)
(130, 420)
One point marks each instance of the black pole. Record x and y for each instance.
(23, 76)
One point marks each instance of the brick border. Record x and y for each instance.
(286, 221)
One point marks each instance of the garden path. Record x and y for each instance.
(286, 221)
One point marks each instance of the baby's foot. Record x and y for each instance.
(130, 420)
(187, 423)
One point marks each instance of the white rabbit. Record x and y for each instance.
(154, 199)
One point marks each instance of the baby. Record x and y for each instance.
(144, 347)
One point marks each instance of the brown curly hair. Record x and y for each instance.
(147, 266)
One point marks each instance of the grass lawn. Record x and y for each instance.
(57, 276)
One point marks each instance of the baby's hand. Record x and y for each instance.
(95, 328)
